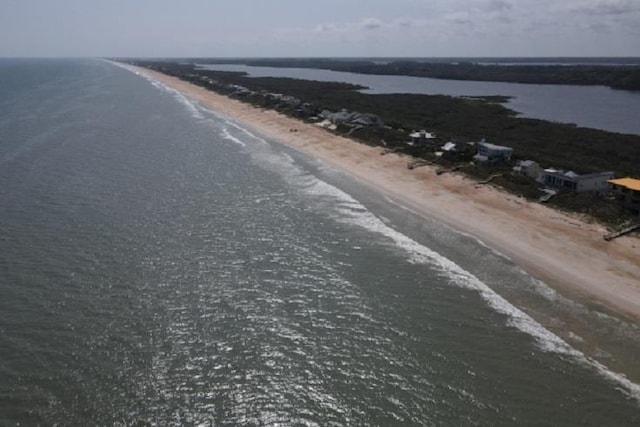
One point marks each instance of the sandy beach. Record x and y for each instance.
(563, 250)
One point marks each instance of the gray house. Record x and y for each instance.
(570, 180)
(492, 153)
(528, 168)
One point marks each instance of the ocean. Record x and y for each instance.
(162, 264)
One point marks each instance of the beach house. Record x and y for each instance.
(492, 153)
(352, 118)
(627, 192)
(421, 137)
(569, 180)
(366, 120)
(527, 168)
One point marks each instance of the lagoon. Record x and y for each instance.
(596, 107)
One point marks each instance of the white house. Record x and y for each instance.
(492, 153)
(353, 118)
(449, 146)
(420, 137)
(598, 182)
(528, 168)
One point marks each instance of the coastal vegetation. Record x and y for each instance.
(457, 119)
(625, 77)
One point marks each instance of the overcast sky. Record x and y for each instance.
(152, 28)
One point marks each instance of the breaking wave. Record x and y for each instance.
(349, 210)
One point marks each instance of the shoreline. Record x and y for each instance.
(563, 250)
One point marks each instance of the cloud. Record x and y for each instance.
(498, 6)
(481, 27)
(364, 24)
(371, 23)
(367, 24)
(325, 28)
(600, 27)
(618, 18)
(460, 18)
(607, 7)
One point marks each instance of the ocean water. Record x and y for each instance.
(162, 264)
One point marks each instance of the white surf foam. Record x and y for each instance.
(190, 105)
(246, 131)
(351, 211)
(226, 135)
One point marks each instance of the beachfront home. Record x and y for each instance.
(597, 182)
(366, 120)
(492, 153)
(306, 109)
(353, 118)
(326, 124)
(421, 137)
(279, 99)
(458, 151)
(627, 192)
(238, 91)
(449, 147)
(527, 168)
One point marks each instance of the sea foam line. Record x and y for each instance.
(541, 287)
(195, 108)
(226, 135)
(352, 211)
(356, 213)
(191, 106)
(245, 131)
(546, 340)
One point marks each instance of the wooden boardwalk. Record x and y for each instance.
(491, 178)
(622, 232)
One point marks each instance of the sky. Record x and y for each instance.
(319, 28)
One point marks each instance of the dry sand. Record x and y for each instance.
(563, 250)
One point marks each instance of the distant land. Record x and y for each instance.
(617, 73)
(506, 60)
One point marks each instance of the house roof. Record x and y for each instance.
(576, 176)
(495, 147)
(449, 146)
(528, 163)
(422, 134)
(630, 183)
